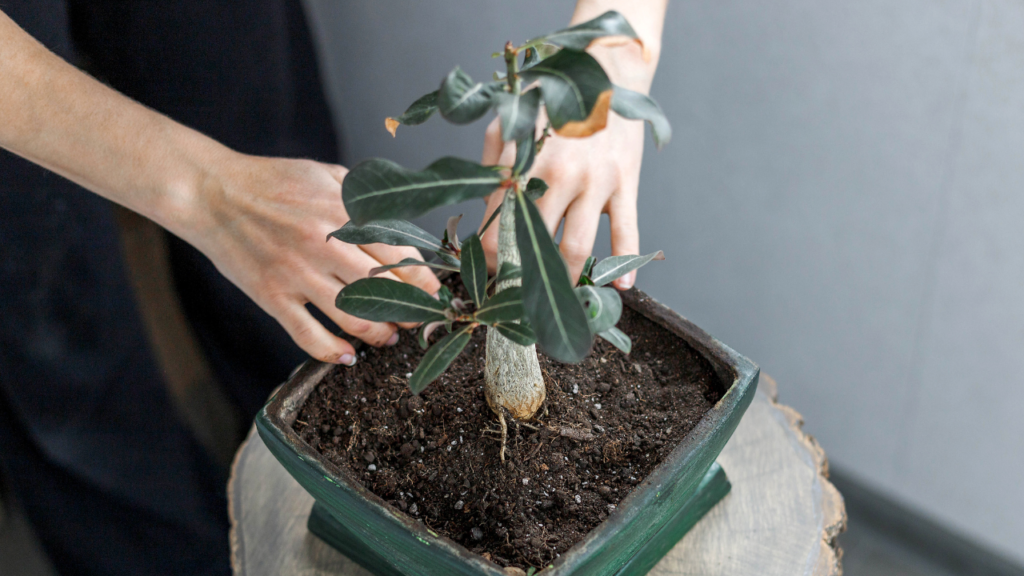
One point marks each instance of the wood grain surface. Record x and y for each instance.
(781, 518)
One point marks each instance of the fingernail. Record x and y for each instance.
(393, 340)
(626, 282)
(347, 359)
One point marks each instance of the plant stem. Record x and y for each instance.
(512, 378)
(512, 68)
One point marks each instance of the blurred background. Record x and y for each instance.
(841, 203)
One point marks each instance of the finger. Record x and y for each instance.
(490, 237)
(421, 277)
(325, 291)
(336, 172)
(553, 204)
(493, 145)
(312, 337)
(625, 234)
(581, 222)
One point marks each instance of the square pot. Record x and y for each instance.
(641, 530)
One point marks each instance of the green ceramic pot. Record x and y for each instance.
(641, 530)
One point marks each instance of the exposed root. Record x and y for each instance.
(504, 433)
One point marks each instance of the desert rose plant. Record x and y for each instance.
(531, 300)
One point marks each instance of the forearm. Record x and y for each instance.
(626, 65)
(60, 118)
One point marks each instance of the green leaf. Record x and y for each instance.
(385, 300)
(617, 338)
(448, 259)
(444, 295)
(505, 306)
(439, 357)
(490, 220)
(554, 312)
(474, 269)
(532, 570)
(508, 271)
(614, 267)
(610, 28)
(603, 307)
(526, 152)
(521, 334)
(588, 266)
(391, 232)
(381, 189)
(637, 106)
(577, 93)
(411, 262)
(518, 113)
(417, 113)
(531, 57)
(461, 101)
(535, 188)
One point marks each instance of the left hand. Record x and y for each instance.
(587, 177)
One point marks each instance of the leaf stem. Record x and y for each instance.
(512, 65)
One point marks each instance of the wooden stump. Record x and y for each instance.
(780, 519)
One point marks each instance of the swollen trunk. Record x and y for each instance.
(513, 380)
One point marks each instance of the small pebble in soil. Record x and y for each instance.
(603, 387)
(476, 533)
(372, 467)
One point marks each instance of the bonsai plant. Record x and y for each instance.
(531, 300)
(530, 303)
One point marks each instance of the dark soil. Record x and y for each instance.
(605, 425)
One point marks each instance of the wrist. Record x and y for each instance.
(626, 66)
(192, 190)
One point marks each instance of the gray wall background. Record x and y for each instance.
(842, 203)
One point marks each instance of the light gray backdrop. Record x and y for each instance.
(842, 203)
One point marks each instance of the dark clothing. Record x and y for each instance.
(109, 477)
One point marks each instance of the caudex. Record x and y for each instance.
(531, 300)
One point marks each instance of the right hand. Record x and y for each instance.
(264, 223)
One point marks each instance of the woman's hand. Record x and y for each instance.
(264, 223)
(587, 177)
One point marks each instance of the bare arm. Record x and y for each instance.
(601, 173)
(262, 221)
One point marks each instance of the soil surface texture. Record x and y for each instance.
(605, 425)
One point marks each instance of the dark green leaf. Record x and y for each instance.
(611, 26)
(637, 106)
(490, 220)
(617, 338)
(411, 262)
(391, 232)
(576, 92)
(378, 189)
(444, 295)
(505, 306)
(439, 357)
(535, 188)
(554, 312)
(461, 101)
(474, 269)
(526, 152)
(614, 267)
(518, 113)
(508, 271)
(521, 334)
(448, 259)
(385, 300)
(603, 307)
(417, 113)
(531, 57)
(585, 274)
